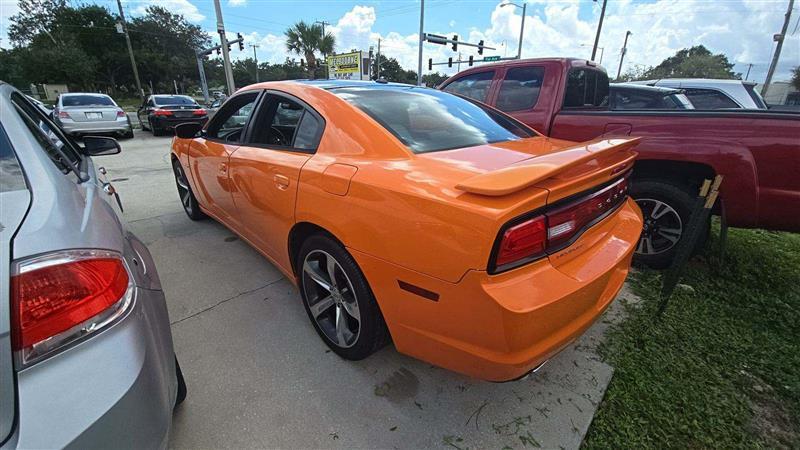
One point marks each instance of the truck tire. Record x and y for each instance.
(666, 207)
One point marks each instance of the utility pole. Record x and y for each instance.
(779, 38)
(521, 28)
(223, 40)
(202, 71)
(378, 70)
(749, 66)
(324, 56)
(599, 28)
(255, 58)
(622, 54)
(421, 40)
(130, 51)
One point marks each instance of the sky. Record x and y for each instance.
(741, 29)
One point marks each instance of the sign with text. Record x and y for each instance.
(346, 66)
(491, 58)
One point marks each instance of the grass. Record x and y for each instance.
(721, 369)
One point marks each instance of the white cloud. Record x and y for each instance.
(183, 7)
(237, 3)
(8, 8)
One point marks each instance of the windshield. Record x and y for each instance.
(173, 100)
(427, 120)
(87, 100)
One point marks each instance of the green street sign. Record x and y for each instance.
(491, 58)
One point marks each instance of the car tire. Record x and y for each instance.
(128, 134)
(181, 394)
(666, 208)
(346, 316)
(190, 204)
(157, 131)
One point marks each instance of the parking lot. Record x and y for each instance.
(259, 376)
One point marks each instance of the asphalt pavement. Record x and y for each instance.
(259, 376)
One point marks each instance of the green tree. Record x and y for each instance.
(306, 40)
(433, 79)
(35, 17)
(392, 71)
(637, 72)
(695, 62)
(796, 78)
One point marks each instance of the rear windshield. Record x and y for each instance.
(173, 100)
(87, 100)
(427, 120)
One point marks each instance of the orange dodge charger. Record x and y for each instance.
(411, 214)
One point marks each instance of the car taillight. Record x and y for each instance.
(64, 296)
(120, 113)
(162, 112)
(556, 227)
(63, 115)
(200, 112)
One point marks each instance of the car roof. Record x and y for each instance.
(645, 87)
(96, 94)
(572, 62)
(699, 81)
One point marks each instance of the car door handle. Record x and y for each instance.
(223, 168)
(281, 181)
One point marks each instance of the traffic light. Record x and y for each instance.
(430, 63)
(470, 60)
(480, 47)
(218, 51)
(450, 62)
(455, 43)
(241, 41)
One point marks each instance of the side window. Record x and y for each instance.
(283, 122)
(709, 99)
(520, 88)
(633, 99)
(475, 86)
(58, 147)
(229, 122)
(11, 178)
(586, 88)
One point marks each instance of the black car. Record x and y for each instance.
(161, 113)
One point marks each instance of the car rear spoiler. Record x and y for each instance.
(531, 171)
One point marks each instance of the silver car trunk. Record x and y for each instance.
(91, 113)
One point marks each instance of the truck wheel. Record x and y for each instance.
(666, 208)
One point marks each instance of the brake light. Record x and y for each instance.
(200, 112)
(61, 297)
(555, 228)
(63, 115)
(120, 113)
(162, 112)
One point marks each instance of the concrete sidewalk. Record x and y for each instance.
(259, 376)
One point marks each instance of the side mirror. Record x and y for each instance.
(100, 146)
(188, 130)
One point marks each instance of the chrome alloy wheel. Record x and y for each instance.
(662, 227)
(183, 187)
(331, 298)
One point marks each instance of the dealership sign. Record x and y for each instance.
(346, 66)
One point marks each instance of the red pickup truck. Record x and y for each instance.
(757, 152)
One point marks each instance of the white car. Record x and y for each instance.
(707, 93)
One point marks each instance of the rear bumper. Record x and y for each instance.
(110, 126)
(500, 327)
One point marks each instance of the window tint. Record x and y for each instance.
(428, 120)
(642, 99)
(709, 99)
(306, 138)
(520, 88)
(475, 86)
(11, 178)
(228, 123)
(86, 100)
(59, 148)
(163, 100)
(586, 88)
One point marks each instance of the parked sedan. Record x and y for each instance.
(86, 113)
(86, 354)
(161, 113)
(415, 215)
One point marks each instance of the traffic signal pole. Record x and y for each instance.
(421, 40)
(780, 38)
(224, 43)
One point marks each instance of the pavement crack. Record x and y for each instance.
(195, 314)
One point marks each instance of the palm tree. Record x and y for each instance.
(305, 40)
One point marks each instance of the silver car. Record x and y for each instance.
(86, 113)
(86, 355)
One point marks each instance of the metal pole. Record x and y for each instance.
(175, 83)
(203, 82)
(378, 71)
(130, 51)
(224, 42)
(421, 40)
(749, 66)
(255, 58)
(622, 55)
(602, 51)
(521, 31)
(600, 27)
(777, 54)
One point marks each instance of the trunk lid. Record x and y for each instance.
(91, 113)
(181, 111)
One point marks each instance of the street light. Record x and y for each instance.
(622, 54)
(602, 50)
(522, 27)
